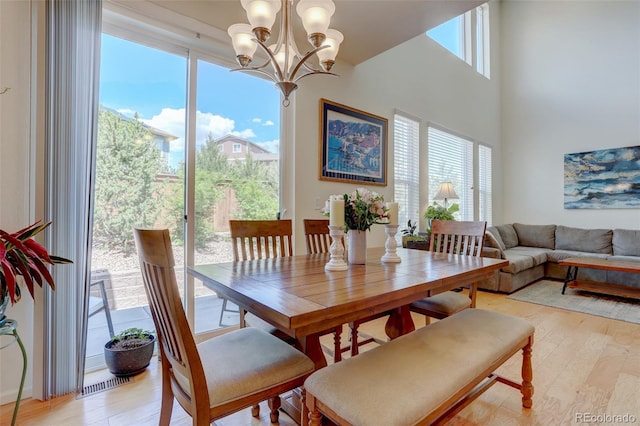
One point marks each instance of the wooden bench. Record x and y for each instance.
(424, 377)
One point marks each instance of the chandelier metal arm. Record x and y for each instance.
(315, 73)
(273, 60)
(304, 59)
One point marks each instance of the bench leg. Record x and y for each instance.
(314, 416)
(527, 375)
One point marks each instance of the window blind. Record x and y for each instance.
(451, 160)
(484, 184)
(406, 168)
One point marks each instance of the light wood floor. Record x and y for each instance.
(582, 364)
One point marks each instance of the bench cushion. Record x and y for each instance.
(404, 380)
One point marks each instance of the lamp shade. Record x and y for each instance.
(446, 192)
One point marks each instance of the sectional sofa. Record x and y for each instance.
(533, 252)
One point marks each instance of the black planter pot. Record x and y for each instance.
(131, 361)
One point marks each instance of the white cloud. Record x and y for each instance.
(172, 121)
(268, 123)
(256, 120)
(247, 133)
(271, 146)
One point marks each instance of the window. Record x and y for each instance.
(406, 168)
(237, 148)
(221, 148)
(482, 40)
(451, 160)
(456, 34)
(453, 35)
(484, 184)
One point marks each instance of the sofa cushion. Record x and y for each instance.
(497, 238)
(493, 241)
(508, 235)
(538, 254)
(517, 262)
(585, 240)
(536, 235)
(557, 255)
(626, 242)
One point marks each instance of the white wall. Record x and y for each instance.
(420, 78)
(15, 172)
(571, 83)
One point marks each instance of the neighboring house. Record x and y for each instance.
(237, 148)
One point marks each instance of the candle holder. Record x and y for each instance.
(336, 250)
(390, 245)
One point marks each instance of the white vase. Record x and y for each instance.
(357, 247)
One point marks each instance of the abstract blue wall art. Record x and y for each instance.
(604, 179)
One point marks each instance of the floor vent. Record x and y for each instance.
(104, 385)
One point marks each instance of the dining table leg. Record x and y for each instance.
(399, 322)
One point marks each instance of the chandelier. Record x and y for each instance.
(287, 63)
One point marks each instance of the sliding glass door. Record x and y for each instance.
(142, 175)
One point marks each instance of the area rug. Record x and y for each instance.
(549, 293)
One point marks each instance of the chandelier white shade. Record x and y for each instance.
(288, 65)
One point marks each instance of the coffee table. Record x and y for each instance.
(571, 279)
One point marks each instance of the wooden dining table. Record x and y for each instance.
(298, 296)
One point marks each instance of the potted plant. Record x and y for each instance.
(129, 352)
(410, 236)
(22, 256)
(439, 212)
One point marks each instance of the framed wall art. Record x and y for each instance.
(353, 145)
(607, 178)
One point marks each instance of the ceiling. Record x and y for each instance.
(370, 27)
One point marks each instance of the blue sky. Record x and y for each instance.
(151, 82)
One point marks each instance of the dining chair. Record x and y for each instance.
(97, 304)
(452, 237)
(221, 375)
(318, 240)
(261, 239)
(258, 239)
(316, 235)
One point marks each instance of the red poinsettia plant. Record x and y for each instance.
(21, 255)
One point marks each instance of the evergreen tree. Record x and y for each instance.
(256, 188)
(126, 192)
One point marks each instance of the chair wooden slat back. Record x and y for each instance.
(177, 345)
(457, 237)
(261, 239)
(316, 232)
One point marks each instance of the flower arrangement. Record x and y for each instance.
(21, 255)
(362, 208)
